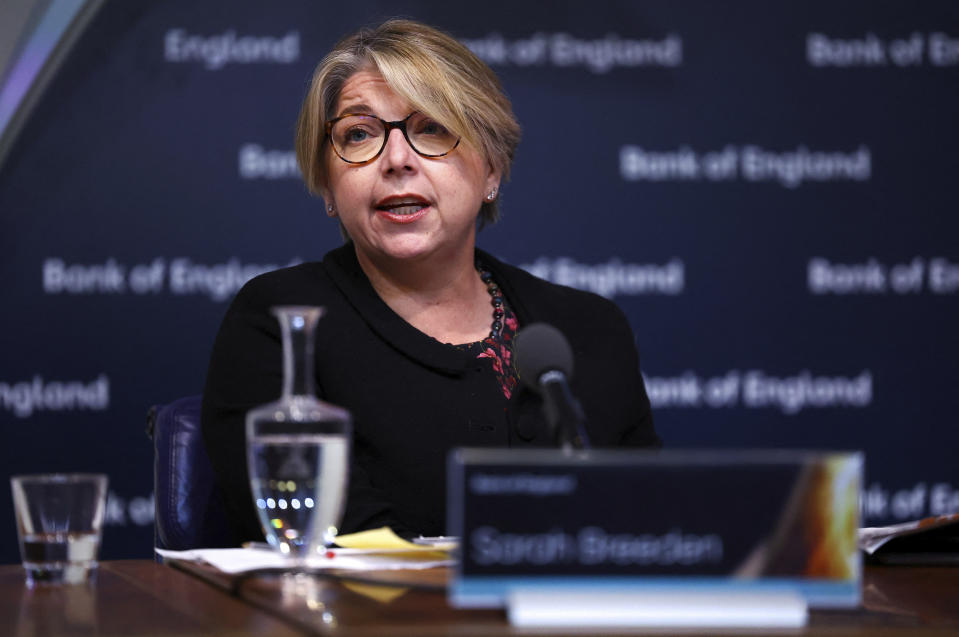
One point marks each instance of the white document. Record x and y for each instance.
(235, 561)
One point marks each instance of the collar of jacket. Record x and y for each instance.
(343, 268)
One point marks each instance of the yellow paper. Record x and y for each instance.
(381, 538)
(384, 539)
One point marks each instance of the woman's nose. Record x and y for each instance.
(398, 155)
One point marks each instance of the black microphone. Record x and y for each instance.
(544, 361)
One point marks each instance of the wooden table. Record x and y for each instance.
(143, 598)
(137, 597)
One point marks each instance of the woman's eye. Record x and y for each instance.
(430, 127)
(356, 136)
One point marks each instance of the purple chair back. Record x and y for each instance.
(189, 511)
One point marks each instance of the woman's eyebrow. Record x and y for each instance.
(356, 109)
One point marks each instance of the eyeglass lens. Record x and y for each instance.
(360, 138)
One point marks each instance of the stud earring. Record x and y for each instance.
(330, 210)
(492, 195)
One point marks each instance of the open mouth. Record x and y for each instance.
(402, 207)
(406, 209)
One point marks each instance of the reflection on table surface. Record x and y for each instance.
(140, 597)
(135, 597)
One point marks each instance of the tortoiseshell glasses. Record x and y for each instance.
(359, 139)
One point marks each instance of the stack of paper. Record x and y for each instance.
(374, 550)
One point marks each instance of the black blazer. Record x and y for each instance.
(412, 398)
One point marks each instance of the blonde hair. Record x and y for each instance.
(432, 71)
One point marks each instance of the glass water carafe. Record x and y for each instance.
(298, 449)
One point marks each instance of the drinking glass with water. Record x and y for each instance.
(298, 450)
(59, 522)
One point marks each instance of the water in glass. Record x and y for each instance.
(298, 449)
(299, 483)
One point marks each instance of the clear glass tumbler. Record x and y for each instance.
(298, 449)
(59, 523)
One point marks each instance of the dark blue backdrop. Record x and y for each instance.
(767, 190)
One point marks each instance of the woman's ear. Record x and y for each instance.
(492, 184)
(329, 203)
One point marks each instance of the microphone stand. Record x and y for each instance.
(563, 412)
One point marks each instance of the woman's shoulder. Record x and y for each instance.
(289, 277)
(541, 296)
(301, 284)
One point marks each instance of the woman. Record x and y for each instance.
(407, 136)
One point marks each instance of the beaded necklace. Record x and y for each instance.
(496, 300)
(498, 346)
